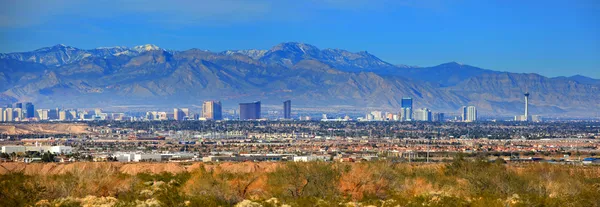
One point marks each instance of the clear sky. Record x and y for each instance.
(553, 38)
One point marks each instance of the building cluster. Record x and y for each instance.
(407, 113)
(526, 116)
(18, 112)
(10, 149)
(213, 110)
(27, 112)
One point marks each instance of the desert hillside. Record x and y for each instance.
(45, 128)
(461, 183)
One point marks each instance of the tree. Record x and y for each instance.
(48, 157)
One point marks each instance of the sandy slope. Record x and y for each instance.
(46, 128)
(130, 168)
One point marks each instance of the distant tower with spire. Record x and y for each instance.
(526, 106)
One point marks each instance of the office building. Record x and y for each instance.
(8, 115)
(29, 110)
(71, 114)
(250, 111)
(62, 115)
(407, 103)
(53, 114)
(17, 114)
(287, 109)
(1, 114)
(423, 114)
(178, 114)
(469, 113)
(18, 105)
(406, 112)
(181, 113)
(438, 117)
(211, 110)
(42, 114)
(377, 115)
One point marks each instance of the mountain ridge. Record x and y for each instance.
(302, 72)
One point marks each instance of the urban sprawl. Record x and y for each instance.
(47, 135)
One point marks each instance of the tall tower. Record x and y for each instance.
(287, 109)
(526, 106)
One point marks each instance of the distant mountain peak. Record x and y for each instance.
(55, 47)
(114, 47)
(296, 47)
(146, 48)
(252, 53)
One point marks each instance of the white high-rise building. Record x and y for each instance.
(469, 113)
(423, 114)
(1, 114)
(377, 115)
(8, 114)
(406, 114)
(42, 114)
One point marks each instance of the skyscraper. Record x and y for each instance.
(287, 109)
(29, 110)
(407, 112)
(8, 114)
(181, 113)
(211, 110)
(469, 113)
(438, 117)
(463, 113)
(250, 111)
(423, 114)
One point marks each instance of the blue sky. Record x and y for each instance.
(552, 38)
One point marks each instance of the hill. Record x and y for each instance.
(64, 76)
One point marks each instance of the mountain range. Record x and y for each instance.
(65, 76)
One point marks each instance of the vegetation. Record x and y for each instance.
(464, 182)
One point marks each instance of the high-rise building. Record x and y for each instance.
(17, 114)
(287, 109)
(42, 114)
(211, 110)
(62, 115)
(178, 114)
(469, 113)
(250, 111)
(53, 114)
(8, 114)
(407, 103)
(377, 115)
(72, 114)
(1, 114)
(19, 105)
(406, 112)
(29, 110)
(423, 114)
(438, 117)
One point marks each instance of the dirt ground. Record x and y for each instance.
(130, 168)
(46, 128)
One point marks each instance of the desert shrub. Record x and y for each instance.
(17, 189)
(210, 185)
(298, 180)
